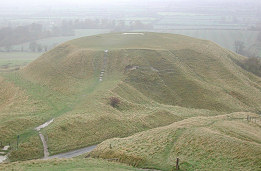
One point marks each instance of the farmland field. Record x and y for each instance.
(12, 60)
(51, 42)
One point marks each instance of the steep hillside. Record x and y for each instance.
(225, 142)
(158, 78)
(169, 69)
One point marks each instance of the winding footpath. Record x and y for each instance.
(46, 152)
(77, 152)
(73, 153)
(3, 154)
(69, 154)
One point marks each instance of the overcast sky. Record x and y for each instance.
(25, 6)
(17, 3)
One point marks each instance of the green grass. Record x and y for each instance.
(66, 165)
(52, 42)
(11, 60)
(177, 77)
(201, 143)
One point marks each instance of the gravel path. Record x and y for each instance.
(46, 152)
(3, 155)
(73, 153)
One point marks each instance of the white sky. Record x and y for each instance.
(90, 3)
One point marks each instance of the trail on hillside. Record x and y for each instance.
(4, 153)
(104, 64)
(73, 153)
(45, 146)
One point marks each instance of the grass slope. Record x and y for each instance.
(201, 143)
(159, 79)
(66, 165)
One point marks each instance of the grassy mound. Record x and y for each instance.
(158, 78)
(225, 142)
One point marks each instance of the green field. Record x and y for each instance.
(11, 60)
(54, 41)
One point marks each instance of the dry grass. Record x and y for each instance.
(201, 143)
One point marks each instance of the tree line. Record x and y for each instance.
(30, 33)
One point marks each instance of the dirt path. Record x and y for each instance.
(46, 152)
(73, 153)
(3, 153)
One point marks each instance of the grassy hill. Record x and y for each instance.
(159, 79)
(224, 142)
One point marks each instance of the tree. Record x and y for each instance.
(252, 64)
(33, 46)
(239, 47)
(39, 48)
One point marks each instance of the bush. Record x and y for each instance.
(114, 101)
(252, 65)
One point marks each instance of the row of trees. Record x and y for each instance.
(32, 47)
(104, 24)
(36, 47)
(240, 49)
(32, 32)
(11, 36)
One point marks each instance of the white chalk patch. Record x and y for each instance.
(2, 158)
(6, 148)
(44, 125)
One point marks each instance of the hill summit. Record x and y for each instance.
(166, 68)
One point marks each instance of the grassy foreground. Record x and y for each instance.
(225, 142)
(66, 165)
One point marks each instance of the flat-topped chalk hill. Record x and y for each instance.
(158, 78)
(169, 69)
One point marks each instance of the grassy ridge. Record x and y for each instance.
(220, 143)
(159, 79)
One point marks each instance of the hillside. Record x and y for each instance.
(158, 78)
(223, 142)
